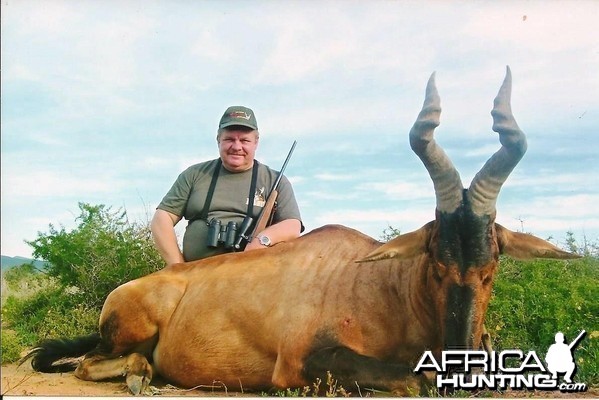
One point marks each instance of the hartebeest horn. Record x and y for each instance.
(446, 179)
(486, 185)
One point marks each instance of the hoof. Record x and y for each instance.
(138, 385)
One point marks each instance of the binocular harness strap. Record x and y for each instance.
(215, 173)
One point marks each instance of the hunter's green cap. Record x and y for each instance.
(238, 116)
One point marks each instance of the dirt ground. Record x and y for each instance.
(23, 381)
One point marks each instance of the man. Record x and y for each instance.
(226, 190)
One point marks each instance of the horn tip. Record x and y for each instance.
(431, 89)
(431, 79)
(508, 74)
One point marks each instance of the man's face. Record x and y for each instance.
(237, 148)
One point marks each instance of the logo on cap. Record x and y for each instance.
(240, 114)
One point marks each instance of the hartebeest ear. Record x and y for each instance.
(402, 247)
(523, 246)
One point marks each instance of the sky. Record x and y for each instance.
(106, 102)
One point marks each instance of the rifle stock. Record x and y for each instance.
(266, 214)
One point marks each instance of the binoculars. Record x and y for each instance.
(219, 234)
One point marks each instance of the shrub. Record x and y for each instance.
(389, 233)
(22, 281)
(103, 252)
(11, 346)
(84, 265)
(533, 300)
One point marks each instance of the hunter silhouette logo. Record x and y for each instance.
(559, 357)
(508, 369)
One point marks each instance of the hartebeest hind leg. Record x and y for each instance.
(354, 371)
(135, 367)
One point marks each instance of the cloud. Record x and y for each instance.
(207, 45)
(305, 45)
(552, 215)
(569, 207)
(105, 102)
(330, 177)
(337, 196)
(511, 22)
(20, 71)
(482, 151)
(55, 184)
(312, 42)
(39, 18)
(553, 181)
(373, 221)
(399, 190)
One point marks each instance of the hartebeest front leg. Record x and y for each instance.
(354, 371)
(135, 367)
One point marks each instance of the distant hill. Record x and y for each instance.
(9, 262)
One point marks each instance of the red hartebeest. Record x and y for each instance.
(287, 315)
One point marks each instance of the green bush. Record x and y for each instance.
(103, 252)
(11, 346)
(18, 275)
(534, 300)
(48, 313)
(84, 265)
(23, 281)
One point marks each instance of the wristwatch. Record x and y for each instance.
(264, 240)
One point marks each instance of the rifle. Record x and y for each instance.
(575, 341)
(267, 212)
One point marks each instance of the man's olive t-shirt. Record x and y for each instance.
(187, 196)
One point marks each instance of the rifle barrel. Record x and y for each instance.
(575, 341)
(284, 166)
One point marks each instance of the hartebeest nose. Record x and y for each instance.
(458, 317)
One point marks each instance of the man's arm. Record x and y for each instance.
(165, 239)
(283, 231)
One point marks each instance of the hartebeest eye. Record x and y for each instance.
(486, 278)
(439, 272)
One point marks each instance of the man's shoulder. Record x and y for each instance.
(265, 169)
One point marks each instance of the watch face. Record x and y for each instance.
(264, 240)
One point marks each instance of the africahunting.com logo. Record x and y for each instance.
(508, 369)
